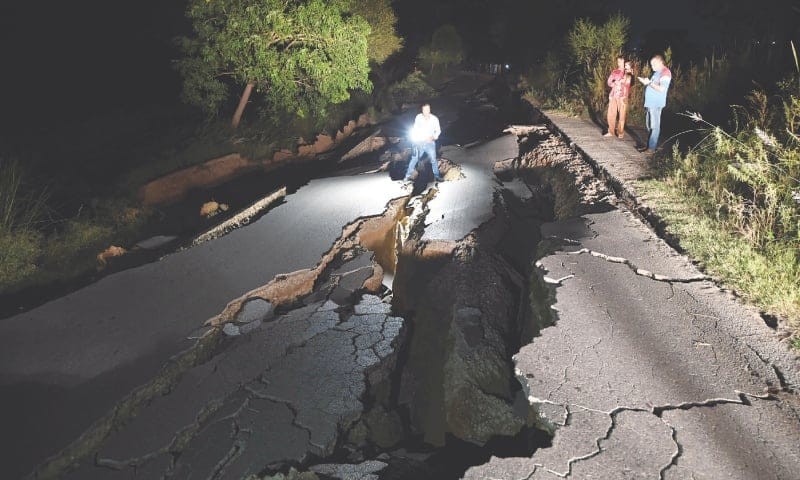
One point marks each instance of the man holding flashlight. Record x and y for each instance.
(424, 135)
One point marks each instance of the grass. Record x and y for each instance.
(28, 257)
(19, 251)
(38, 247)
(768, 277)
(21, 206)
(733, 196)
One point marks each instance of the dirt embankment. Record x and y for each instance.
(174, 186)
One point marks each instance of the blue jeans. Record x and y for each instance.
(421, 149)
(654, 126)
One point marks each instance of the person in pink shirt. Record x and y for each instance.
(620, 83)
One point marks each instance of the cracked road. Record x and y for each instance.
(645, 370)
(69, 361)
(645, 373)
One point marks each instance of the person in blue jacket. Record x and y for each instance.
(655, 99)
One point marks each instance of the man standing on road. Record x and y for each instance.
(424, 135)
(620, 83)
(655, 99)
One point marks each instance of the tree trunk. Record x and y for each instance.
(237, 116)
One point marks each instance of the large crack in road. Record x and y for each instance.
(435, 340)
(264, 354)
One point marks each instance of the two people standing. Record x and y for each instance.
(655, 98)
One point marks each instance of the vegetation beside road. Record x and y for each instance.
(39, 245)
(72, 192)
(731, 193)
(733, 200)
(64, 219)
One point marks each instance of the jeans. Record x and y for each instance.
(421, 149)
(654, 126)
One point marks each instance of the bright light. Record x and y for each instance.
(416, 135)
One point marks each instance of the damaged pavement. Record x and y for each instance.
(644, 368)
(513, 322)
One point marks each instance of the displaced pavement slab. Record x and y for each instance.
(69, 361)
(619, 158)
(463, 205)
(260, 399)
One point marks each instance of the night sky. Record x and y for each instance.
(72, 60)
(80, 58)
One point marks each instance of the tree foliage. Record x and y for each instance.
(445, 49)
(301, 55)
(383, 39)
(594, 48)
(413, 88)
(594, 45)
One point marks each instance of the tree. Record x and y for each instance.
(301, 55)
(445, 48)
(383, 39)
(594, 48)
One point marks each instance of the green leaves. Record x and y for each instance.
(301, 55)
(383, 39)
(596, 46)
(593, 50)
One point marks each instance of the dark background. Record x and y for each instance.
(69, 61)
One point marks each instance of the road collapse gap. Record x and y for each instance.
(454, 401)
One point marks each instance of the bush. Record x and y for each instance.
(550, 85)
(21, 205)
(414, 88)
(734, 201)
(750, 175)
(446, 49)
(29, 257)
(699, 85)
(768, 277)
(580, 82)
(594, 48)
(73, 249)
(19, 251)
